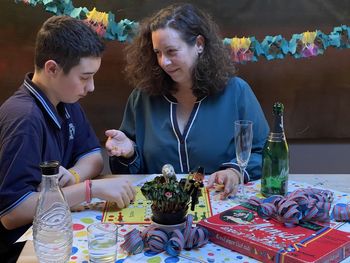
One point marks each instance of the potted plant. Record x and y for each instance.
(171, 198)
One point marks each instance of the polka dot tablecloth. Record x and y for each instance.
(209, 253)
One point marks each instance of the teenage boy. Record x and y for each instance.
(43, 121)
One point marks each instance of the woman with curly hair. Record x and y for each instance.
(186, 101)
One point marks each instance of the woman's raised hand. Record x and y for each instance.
(118, 144)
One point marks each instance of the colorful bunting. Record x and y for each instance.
(245, 49)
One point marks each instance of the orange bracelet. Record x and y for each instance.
(88, 191)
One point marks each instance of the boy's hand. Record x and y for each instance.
(66, 178)
(118, 190)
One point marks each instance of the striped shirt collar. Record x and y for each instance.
(44, 101)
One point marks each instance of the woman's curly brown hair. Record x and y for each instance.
(213, 68)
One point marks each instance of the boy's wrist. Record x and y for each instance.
(88, 191)
(75, 175)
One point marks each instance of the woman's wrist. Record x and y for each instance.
(129, 155)
(132, 152)
(235, 173)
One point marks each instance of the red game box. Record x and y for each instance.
(242, 230)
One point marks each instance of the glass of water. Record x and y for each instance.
(102, 242)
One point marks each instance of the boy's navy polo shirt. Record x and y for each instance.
(33, 131)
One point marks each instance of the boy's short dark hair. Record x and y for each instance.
(66, 40)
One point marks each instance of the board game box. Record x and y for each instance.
(242, 230)
(139, 212)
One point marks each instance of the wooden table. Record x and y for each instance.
(338, 182)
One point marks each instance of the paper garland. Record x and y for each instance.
(103, 23)
(304, 45)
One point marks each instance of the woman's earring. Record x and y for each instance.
(200, 49)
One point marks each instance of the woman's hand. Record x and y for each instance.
(119, 144)
(118, 190)
(227, 179)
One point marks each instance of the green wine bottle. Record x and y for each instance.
(275, 159)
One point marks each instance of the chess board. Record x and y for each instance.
(139, 212)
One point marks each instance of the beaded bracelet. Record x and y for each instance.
(88, 191)
(75, 174)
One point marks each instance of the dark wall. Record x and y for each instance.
(315, 91)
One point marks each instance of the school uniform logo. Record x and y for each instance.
(71, 131)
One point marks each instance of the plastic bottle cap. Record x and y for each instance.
(50, 167)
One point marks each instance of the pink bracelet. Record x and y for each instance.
(88, 191)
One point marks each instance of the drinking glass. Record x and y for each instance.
(102, 242)
(243, 142)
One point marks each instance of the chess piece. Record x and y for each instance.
(120, 216)
(168, 172)
(196, 184)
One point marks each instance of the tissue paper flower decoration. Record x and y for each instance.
(308, 44)
(104, 24)
(240, 49)
(59, 7)
(309, 48)
(243, 49)
(125, 30)
(308, 37)
(340, 37)
(98, 21)
(274, 47)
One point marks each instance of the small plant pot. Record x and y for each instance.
(175, 218)
(169, 228)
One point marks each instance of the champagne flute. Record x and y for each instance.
(243, 143)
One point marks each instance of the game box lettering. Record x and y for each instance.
(242, 230)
